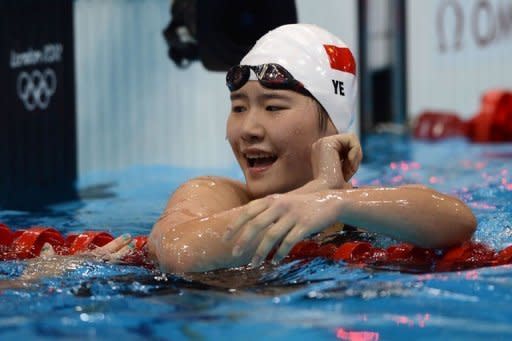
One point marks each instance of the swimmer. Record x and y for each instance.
(292, 101)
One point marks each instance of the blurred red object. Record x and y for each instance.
(493, 123)
(432, 125)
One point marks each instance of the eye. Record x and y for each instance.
(238, 108)
(274, 108)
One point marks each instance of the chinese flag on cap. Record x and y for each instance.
(341, 58)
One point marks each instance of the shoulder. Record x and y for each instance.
(218, 180)
(214, 184)
(201, 197)
(219, 193)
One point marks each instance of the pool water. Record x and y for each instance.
(318, 300)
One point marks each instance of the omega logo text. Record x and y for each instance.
(486, 22)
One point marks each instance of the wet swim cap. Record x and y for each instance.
(319, 60)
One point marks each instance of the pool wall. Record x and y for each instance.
(457, 50)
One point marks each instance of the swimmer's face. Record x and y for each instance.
(271, 133)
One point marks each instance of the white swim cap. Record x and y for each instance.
(322, 62)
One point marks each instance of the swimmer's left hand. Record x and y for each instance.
(282, 218)
(335, 159)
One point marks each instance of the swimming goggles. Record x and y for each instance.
(272, 76)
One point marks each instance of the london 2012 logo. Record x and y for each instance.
(35, 89)
(36, 86)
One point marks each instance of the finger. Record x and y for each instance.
(296, 235)
(355, 155)
(347, 147)
(348, 171)
(248, 213)
(121, 253)
(348, 142)
(47, 250)
(351, 164)
(273, 236)
(254, 227)
(113, 246)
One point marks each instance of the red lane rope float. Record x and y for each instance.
(436, 125)
(27, 243)
(6, 235)
(139, 255)
(492, 123)
(469, 255)
(87, 241)
(24, 244)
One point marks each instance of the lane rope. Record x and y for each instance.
(27, 243)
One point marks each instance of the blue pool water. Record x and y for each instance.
(321, 300)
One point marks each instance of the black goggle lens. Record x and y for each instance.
(237, 76)
(272, 76)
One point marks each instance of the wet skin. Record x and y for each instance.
(278, 123)
(294, 187)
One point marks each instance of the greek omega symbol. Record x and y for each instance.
(35, 89)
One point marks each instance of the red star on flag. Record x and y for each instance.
(341, 58)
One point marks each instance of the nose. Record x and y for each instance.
(253, 129)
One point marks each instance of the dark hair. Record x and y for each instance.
(323, 116)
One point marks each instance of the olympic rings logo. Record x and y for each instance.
(35, 89)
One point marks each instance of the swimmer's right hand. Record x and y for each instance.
(114, 251)
(335, 159)
(49, 263)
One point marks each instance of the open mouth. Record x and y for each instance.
(260, 160)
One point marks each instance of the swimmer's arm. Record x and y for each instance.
(315, 186)
(412, 213)
(188, 236)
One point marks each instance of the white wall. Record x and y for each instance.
(337, 16)
(449, 68)
(379, 34)
(135, 107)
